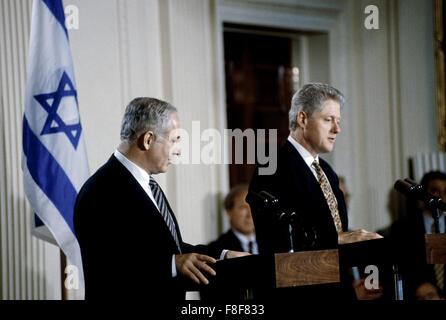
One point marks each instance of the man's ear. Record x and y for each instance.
(146, 140)
(302, 119)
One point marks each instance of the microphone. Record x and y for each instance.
(412, 182)
(270, 202)
(405, 187)
(410, 188)
(262, 198)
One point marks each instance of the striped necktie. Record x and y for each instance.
(329, 196)
(164, 209)
(438, 268)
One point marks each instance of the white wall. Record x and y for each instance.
(172, 49)
(30, 268)
(391, 103)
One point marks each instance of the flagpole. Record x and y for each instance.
(63, 265)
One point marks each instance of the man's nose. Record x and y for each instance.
(175, 149)
(178, 151)
(336, 128)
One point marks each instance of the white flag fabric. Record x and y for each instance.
(54, 158)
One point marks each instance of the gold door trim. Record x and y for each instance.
(440, 92)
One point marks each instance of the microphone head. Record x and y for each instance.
(403, 187)
(262, 199)
(418, 187)
(410, 188)
(269, 198)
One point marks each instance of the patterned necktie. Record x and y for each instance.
(329, 196)
(164, 209)
(438, 268)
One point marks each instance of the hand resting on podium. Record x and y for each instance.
(356, 236)
(191, 265)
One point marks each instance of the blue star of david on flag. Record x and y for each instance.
(51, 103)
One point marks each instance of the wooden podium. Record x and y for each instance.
(241, 278)
(257, 276)
(435, 248)
(306, 268)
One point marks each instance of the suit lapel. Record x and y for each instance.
(303, 173)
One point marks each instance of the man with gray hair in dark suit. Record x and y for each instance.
(303, 182)
(129, 237)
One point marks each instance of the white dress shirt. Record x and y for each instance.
(308, 158)
(244, 240)
(429, 221)
(138, 173)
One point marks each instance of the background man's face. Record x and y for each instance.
(427, 291)
(240, 215)
(166, 147)
(438, 188)
(321, 128)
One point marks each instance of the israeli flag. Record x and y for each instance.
(54, 158)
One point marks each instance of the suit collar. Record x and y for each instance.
(304, 153)
(428, 222)
(129, 178)
(302, 170)
(242, 238)
(140, 175)
(132, 186)
(244, 241)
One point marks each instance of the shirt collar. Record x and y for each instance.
(244, 239)
(139, 173)
(308, 158)
(429, 221)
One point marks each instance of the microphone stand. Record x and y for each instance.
(409, 187)
(290, 219)
(291, 237)
(270, 203)
(398, 283)
(436, 216)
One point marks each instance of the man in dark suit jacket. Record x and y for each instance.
(241, 236)
(304, 183)
(130, 241)
(407, 234)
